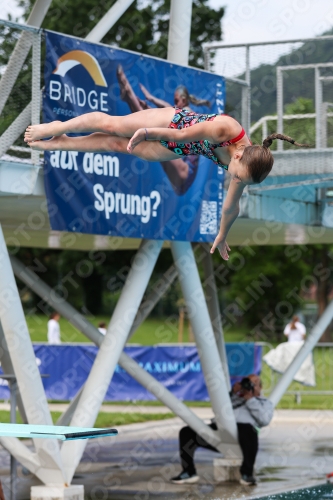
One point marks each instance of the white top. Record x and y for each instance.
(297, 334)
(53, 332)
(102, 330)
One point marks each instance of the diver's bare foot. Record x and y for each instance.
(36, 132)
(54, 144)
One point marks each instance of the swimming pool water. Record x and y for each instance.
(322, 492)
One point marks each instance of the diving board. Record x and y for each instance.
(64, 433)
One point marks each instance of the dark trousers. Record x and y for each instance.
(189, 441)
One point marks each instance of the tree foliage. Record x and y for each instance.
(303, 130)
(142, 28)
(266, 285)
(298, 82)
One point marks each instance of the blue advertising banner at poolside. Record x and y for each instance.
(116, 194)
(177, 368)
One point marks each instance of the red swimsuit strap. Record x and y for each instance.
(238, 138)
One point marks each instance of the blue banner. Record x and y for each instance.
(116, 194)
(177, 367)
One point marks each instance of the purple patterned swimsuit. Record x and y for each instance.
(184, 118)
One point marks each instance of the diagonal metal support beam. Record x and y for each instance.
(139, 374)
(110, 351)
(210, 288)
(58, 303)
(202, 328)
(159, 289)
(310, 342)
(23, 455)
(35, 283)
(14, 446)
(21, 51)
(67, 416)
(146, 307)
(25, 368)
(108, 20)
(8, 369)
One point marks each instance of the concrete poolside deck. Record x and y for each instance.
(296, 451)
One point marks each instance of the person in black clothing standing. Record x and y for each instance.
(251, 411)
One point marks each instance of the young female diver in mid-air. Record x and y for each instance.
(162, 134)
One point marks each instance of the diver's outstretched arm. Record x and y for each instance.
(230, 213)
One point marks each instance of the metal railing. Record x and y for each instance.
(239, 62)
(263, 122)
(319, 79)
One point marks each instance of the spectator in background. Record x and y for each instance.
(251, 411)
(102, 327)
(53, 329)
(295, 331)
(279, 359)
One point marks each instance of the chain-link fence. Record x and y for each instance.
(20, 88)
(274, 86)
(279, 86)
(284, 87)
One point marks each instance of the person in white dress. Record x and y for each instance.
(295, 330)
(53, 329)
(279, 359)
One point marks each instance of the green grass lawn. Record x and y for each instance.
(103, 419)
(322, 357)
(114, 419)
(161, 331)
(308, 402)
(152, 331)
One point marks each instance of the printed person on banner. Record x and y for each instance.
(181, 172)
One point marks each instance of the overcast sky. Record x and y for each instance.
(265, 20)
(9, 7)
(258, 20)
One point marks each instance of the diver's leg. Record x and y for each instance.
(100, 142)
(123, 126)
